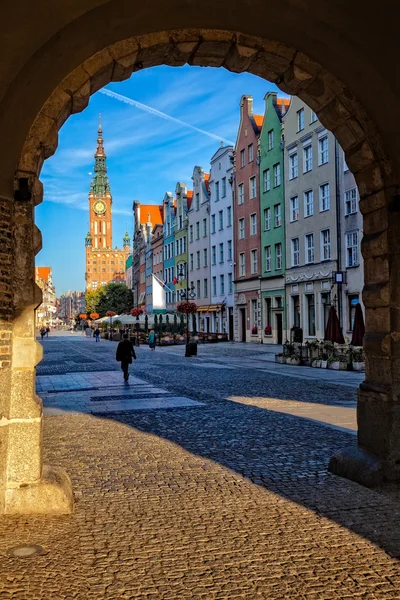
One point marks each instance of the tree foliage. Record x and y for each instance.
(92, 298)
(113, 296)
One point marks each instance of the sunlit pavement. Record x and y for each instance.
(201, 478)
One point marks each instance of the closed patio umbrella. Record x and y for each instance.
(333, 333)
(358, 327)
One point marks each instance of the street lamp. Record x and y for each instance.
(187, 294)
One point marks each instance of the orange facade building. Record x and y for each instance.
(104, 264)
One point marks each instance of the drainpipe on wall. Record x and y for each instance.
(338, 229)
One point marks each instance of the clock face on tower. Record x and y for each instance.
(99, 207)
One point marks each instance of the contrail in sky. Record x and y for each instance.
(157, 113)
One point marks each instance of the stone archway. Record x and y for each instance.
(31, 488)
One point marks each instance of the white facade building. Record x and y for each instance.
(221, 241)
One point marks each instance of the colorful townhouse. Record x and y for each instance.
(246, 214)
(221, 241)
(169, 211)
(183, 203)
(272, 221)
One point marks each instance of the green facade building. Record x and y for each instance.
(272, 215)
(183, 202)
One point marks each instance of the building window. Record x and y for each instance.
(204, 227)
(307, 159)
(308, 203)
(324, 197)
(198, 289)
(310, 298)
(267, 180)
(313, 117)
(277, 175)
(254, 262)
(253, 224)
(180, 222)
(268, 312)
(323, 150)
(270, 139)
(221, 219)
(240, 193)
(216, 191)
(214, 286)
(230, 283)
(205, 287)
(300, 119)
(221, 253)
(326, 305)
(251, 153)
(325, 244)
(267, 219)
(205, 257)
(241, 229)
(198, 230)
(190, 233)
(214, 255)
(198, 259)
(229, 242)
(228, 216)
(294, 209)
(352, 249)
(223, 187)
(191, 262)
(350, 201)
(242, 158)
(254, 314)
(295, 252)
(242, 264)
(293, 166)
(353, 301)
(222, 285)
(212, 223)
(197, 201)
(278, 216)
(296, 310)
(252, 187)
(309, 248)
(278, 256)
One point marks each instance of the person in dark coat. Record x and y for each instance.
(125, 353)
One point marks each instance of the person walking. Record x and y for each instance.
(43, 332)
(152, 340)
(97, 334)
(47, 331)
(125, 353)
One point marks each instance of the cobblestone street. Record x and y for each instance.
(201, 478)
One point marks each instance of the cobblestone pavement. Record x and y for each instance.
(225, 499)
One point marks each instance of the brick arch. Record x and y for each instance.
(339, 110)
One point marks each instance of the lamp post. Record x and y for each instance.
(185, 295)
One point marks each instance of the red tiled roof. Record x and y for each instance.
(206, 176)
(43, 273)
(259, 119)
(283, 101)
(189, 195)
(155, 212)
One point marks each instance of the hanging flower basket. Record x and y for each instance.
(83, 316)
(136, 312)
(268, 330)
(94, 316)
(187, 308)
(110, 313)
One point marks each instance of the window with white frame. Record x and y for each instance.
(198, 288)
(214, 255)
(295, 252)
(212, 223)
(308, 203)
(267, 258)
(191, 262)
(205, 257)
(350, 201)
(325, 244)
(323, 150)
(230, 283)
(251, 153)
(293, 166)
(253, 224)
(221, 219)
(300, 119)
(242, 158)
(228, 216)
(216, 191)
(229, 246)
(266, 180)
(223, 192)
(267, 219)
(221, 252)
(241, 229)
(307, 158)
(324, 197)
(214, 286)
(183, 244)
(352, 249)
(254, 313)
(204, 227)
(277, 175)
(278, 215)
(240, 193)
(198, 259)
(180, 221)
(191, 233)
(254, 262)
(270, 139)
(198, 230)
(242, 264)
(252, 187)
(222, 285)
(278, 256)
(309, 246)
(205, 286)
(294, 209)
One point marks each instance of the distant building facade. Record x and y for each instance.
(169, 208)
(183, 203)
(46, 312)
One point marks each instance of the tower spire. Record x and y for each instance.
(100, 185)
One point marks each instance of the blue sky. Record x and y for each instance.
(146, 154)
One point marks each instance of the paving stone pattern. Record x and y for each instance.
(223, 500)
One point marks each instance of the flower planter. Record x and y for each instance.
(293, 361)
(324, 364)
(335, 365)
(316, 363)
(358, 366)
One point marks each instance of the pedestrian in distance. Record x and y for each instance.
(125, 353)
(152, 340)
(47, 331)
(97, 334)
(43, 332)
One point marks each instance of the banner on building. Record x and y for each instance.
(159, 304)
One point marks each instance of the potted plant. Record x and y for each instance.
(268, 330)
(358, 359)
(279, 358)
(254, 330)
(333, 363)
(324, 360)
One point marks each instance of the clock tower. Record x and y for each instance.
(104, 263)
